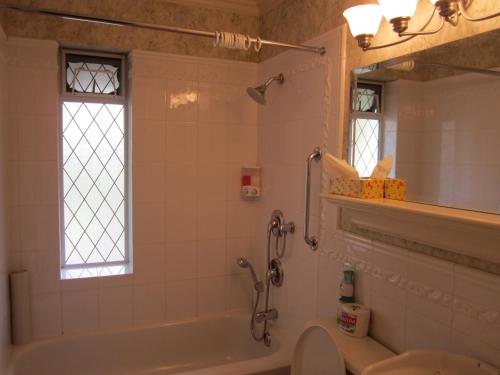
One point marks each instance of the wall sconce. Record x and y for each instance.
(364, 20)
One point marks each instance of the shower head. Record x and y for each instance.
(259, 93)
(244, 263)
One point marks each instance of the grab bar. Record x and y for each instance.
(310, 240)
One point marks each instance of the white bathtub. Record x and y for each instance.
(215, 346)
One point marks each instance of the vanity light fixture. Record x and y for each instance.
(364, 20)
(398, 13)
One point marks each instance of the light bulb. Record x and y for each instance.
(398, 8)
(364, 21)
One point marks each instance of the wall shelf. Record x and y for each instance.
(471, 233)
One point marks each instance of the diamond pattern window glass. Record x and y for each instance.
(365, 145)
(94, 195)
(366, 120)
(86, 74)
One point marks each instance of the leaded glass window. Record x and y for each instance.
(92, 74)
(365, 129)
(94, 167)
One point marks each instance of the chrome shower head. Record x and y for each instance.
(244, 263)
(259, 93)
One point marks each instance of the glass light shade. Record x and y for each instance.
(433, 2)
(363, 19)
(398, 8)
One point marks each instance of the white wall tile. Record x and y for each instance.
(211, 296)
(80, 311)
(239, 292)
(388, 322)
(393, 261)
(211, 258)
(181, 297)
(181, 101)
(149, 183)
(149, 266)
(148, 223)
(424, 332)
(46, 310)
(116, 307)
(211, 220)
(181, 142)
(148, 140)
(149, 303)
(180, 184)
(181, 261)
(181, 222)
(435, 274)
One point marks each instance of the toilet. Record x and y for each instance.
(322, 349)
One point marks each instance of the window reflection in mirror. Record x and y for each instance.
(440, 120)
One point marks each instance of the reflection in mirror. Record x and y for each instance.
(438, 113)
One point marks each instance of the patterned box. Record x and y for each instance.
(364, 188)
(395, 188)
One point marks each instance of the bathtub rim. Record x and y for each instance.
(280, 357)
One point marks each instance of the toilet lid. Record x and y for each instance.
(316, 353)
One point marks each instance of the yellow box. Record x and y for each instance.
(365, 188)
(395, 188)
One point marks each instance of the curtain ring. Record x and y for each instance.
(217, 39)
(247, 43)
(258, 44)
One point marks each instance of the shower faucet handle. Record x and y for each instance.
(263, 316)
(287, 227)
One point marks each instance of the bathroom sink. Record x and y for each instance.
(425, 362)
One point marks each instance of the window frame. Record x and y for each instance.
(355, 115)
(120, 99)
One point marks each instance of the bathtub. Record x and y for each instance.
(215, 346)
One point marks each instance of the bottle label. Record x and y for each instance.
(348, 322)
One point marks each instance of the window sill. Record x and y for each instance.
(100, 271)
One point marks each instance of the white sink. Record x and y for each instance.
(425, 362)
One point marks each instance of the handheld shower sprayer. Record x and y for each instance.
(244, 263)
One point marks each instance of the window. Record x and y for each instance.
(93, 163)
(365, 127)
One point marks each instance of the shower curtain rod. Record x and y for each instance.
(173, 29)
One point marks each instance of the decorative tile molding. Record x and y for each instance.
(433, 295)
(461, 259)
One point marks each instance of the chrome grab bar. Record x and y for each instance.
(310, 240)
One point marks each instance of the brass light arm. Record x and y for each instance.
(411, 36)
(463, 11)
(423, 32)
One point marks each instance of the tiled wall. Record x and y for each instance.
(291, 124)
(188, 220)
(4, 303)
(417, 302)
(184, 248)
(448, 146)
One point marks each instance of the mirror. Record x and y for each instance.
(438, 113)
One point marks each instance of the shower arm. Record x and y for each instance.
(278, 78)
(173, 29)
(312, 241)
